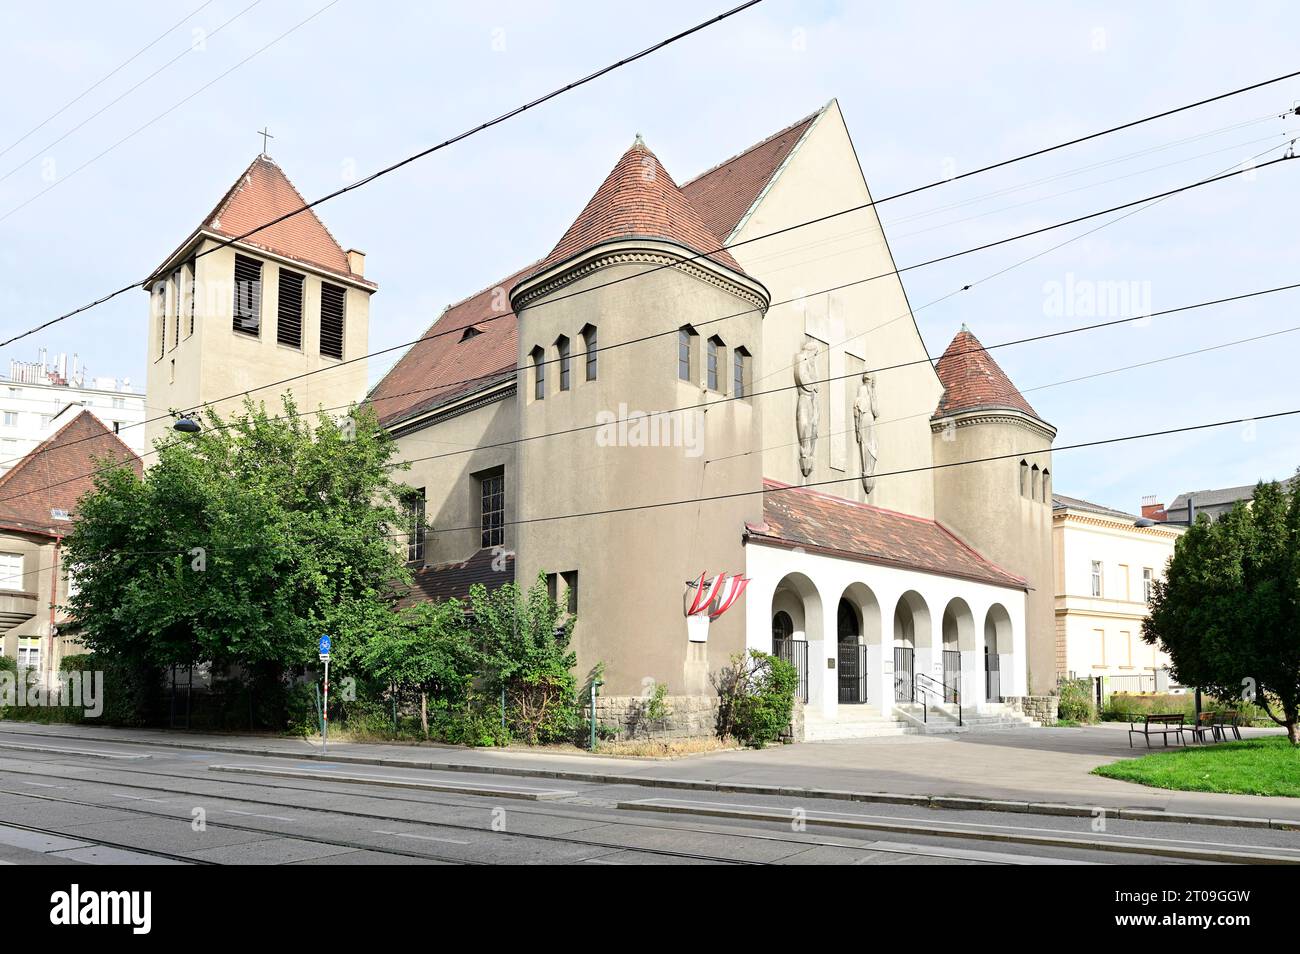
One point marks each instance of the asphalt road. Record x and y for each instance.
(65, 801)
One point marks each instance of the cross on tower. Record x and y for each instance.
(265, 133)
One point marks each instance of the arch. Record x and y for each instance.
(796, 599)
(958, 626)
(589, 345)
(997, 640)
(562, 356)
(539, 373)
(912, 621)
(864, 603)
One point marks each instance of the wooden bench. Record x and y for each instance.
(1227, 721)
(1162, 725)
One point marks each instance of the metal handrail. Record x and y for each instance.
(929, 690)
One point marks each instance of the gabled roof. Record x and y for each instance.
(973, 381)
(440, 367)
(262, 194)
(639, 199)
(795, 516)
(1219, 497)
(723, 194)
(56, 473)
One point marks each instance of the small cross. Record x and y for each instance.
(265, 133)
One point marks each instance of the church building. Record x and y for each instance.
(708, 429)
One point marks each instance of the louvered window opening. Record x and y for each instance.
(248, 295)
(288, 325)
(332, 299)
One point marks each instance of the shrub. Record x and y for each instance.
(1076, 703)
(756, 697)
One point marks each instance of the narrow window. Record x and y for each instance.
(248, 295)
(160, 306)
(178, 281)
(333, 310)
(589, 343)
(740, 372)
(11, 571)
(492, 508)
(414, 506)
(684, 347)
(192, 279)
(562, 351)
(1148, 583)
(716, 350)
(1047, 486)
(571, 591)
(1024, 479)
(539, 374)
(288, 312)
(1096, 578)
(552, 587)
(1037, 486)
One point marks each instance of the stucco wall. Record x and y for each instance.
(633, 565)
(217, 361)
(869, 325)
(982, 504)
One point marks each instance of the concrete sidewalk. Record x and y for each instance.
(1029, 765)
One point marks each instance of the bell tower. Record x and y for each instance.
(237, 309)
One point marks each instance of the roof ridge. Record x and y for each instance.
(43, 446)
(757, 145)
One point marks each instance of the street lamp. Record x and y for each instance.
(186, 425)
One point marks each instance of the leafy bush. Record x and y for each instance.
(756, 697)
(1131, 707)
(522, 641)
(1076, 702)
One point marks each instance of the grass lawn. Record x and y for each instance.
(1267, 766)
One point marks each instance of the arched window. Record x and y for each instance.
(1024, 478)
(589, 344)
(562, 353)
(539, 374)
(1037, 492)
(1047, 485)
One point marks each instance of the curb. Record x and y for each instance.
(913, 828)
(957, 802)
(537, 795)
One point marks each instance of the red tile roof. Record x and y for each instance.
(56, 473)
(445, 581)
(262, 194)
(725, 193)
(638, 199)
(973, 381)
(795, 516)
(440, 367)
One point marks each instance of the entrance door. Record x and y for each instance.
(992, 676)
(951, 674)
(852, 660)
(903, 673)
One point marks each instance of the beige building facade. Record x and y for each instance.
(1106, 562)
(706, 424)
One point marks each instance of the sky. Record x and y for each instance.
(99, 194)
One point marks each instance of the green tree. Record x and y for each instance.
(523, 641)
(1228, 610)
(242, 545)
(427, 649)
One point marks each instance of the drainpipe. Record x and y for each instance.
(54, 598)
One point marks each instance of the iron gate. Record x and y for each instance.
(853, 672)
(951, 674)
(903, 673)
(992, 677)
(795, 652)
